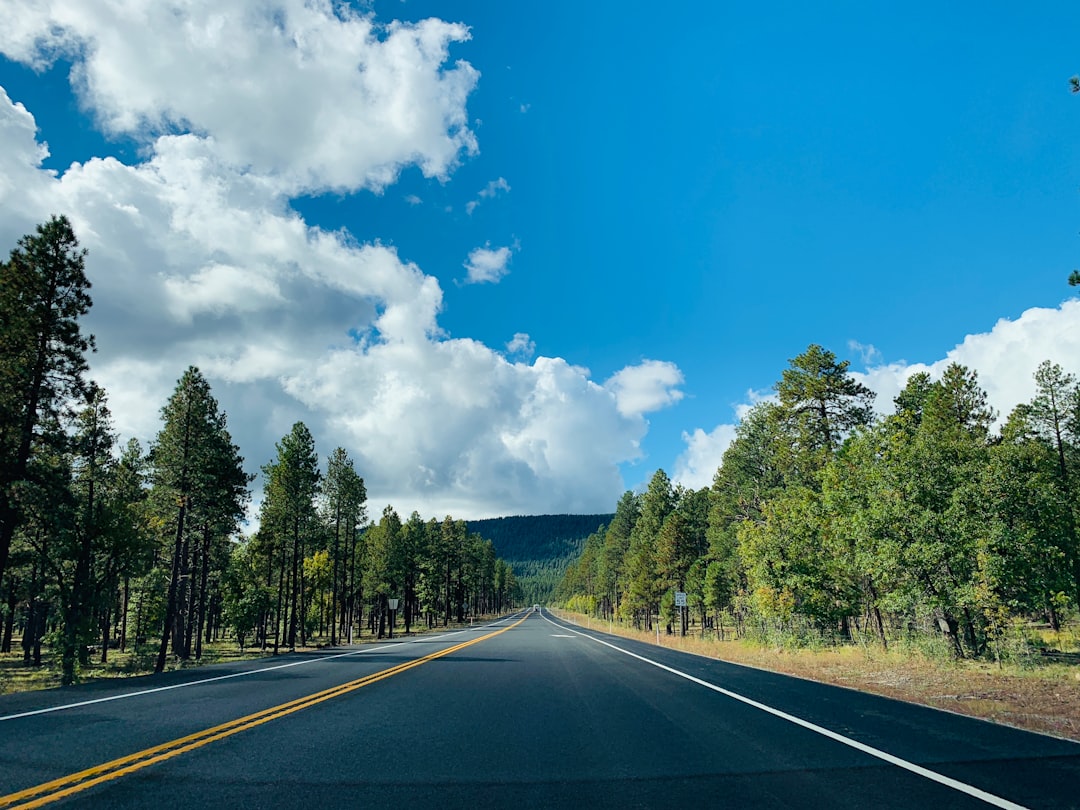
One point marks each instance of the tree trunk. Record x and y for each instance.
(294, 585)
(9, 619)
(105, 627)
(8, 518)
(31, 629)
(170, 604)
(1052, 615)
(124, 614)
(971, 633)
(191, 563)
(950, 627)
(304, 597)
(408, 609)
(277, 610)
(446, 620)
(203, 579)
(334, 576)
(139, 618)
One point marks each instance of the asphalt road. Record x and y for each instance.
(529, 712)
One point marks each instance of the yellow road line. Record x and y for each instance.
(56, 789)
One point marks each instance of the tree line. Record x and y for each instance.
(826, 519)
(538, 547)
(105, 545)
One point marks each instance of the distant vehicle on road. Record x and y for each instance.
(536, 608)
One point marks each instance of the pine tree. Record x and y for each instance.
(824, 402)
(1050, 413)
(344, 499)
(199, 488)
(289, 516)
(644, 586)
(43, 293)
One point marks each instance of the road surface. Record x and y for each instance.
(526, 712)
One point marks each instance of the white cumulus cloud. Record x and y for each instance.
(1005, 359)
(312, 95)
(197, 258)
(521, 345)
(648, 386)
(697, 465)
(487, 265)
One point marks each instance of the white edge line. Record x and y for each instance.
(759, 668)
(933, 776)
(140, 692)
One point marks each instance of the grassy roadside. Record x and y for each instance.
(17, 677)
(1044, 697)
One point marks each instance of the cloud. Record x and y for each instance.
(646, 387)
(868, 353)
(310, 95)
(459, 429)
(412, 199)
(1005, 359)
(521, 345)
(487, 264)
(697, 465)
(492, 188)
(197, 258)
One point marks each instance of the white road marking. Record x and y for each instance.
(560, 635)
(933, 776)
(140, 692)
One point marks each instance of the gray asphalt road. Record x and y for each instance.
(541, 714)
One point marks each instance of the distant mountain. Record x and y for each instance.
(538, 537)
(539, 547)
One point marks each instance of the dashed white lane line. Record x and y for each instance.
(926, 773)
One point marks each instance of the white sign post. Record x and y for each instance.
(680, 603)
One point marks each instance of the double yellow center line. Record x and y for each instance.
(74, 783)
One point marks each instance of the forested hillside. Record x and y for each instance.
(122, 548)
(826, 522)
(539, 547)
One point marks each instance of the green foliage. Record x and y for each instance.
(919, 529)
(644, 584)
(822, 402)
(43, 294)
(536, 537)
(199, 489)
(922, 528)
(289, 526)
(539, 548)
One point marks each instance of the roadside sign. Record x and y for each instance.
(680, 598)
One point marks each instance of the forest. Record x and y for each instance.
(109, 546)
(828, 523)
(538, 547)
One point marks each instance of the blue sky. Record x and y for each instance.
(669, 203)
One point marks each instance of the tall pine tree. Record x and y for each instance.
(198, 480)
(43, 293)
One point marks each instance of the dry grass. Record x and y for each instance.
(1044, 697)
(17, 677)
